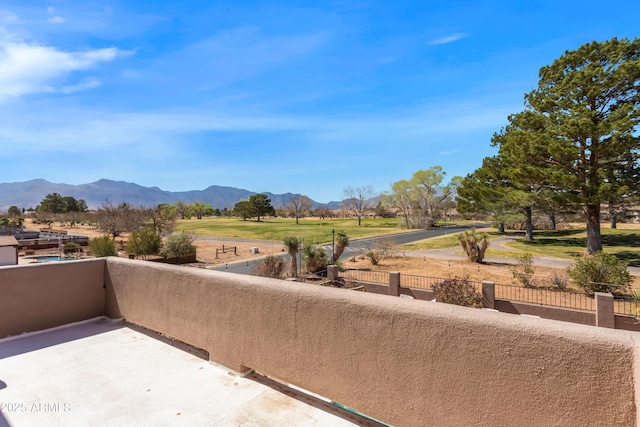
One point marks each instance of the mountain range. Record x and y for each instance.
(29, 194)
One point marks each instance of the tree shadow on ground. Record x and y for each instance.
(632, 258)
(558, 233)
(631, 240)
(540, 241)
(562, 238)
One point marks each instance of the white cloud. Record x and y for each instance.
(6, 16)
(56, 20)
(448, 39)
(450, 152)
(88, 83)
(30, 68)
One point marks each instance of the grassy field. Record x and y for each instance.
(315, 231)
(624, 242)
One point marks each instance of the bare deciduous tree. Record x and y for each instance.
(299, 205)
(359, 200)
(117, 219)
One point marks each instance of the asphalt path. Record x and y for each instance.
(356, 247)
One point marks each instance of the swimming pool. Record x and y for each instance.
(49, 258)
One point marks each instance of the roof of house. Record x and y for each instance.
(8, 241)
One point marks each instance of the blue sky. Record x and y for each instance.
(283, 96)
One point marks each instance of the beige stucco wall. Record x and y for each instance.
(409, 363)
(40, 296)
(8, 255)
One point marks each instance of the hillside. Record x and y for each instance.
(29, 194)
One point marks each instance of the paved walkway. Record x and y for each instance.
(500, 244)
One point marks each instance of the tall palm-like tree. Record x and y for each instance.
(341, 243)
(293, 246)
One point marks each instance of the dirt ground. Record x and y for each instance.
(422, 266)
(206, 247)
(211, 251)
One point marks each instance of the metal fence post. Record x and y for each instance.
(488, 294)
(394, 283)
(604, 310)
(332, 273)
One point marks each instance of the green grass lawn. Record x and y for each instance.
(570, 244)
(623, 243)
(311, 230)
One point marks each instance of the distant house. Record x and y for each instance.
(8, 250)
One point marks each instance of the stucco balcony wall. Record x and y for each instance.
(402, 361)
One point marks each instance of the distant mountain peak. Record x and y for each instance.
(30, 193)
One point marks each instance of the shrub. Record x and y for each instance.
(143, 242)
(178, 246)
(523, 272)
(457, 291)
(272, 266)
(71, 248)
(377, 250)
(600, 272)
(315, 258)
(474, 245)
(103, 246)
(557, 281)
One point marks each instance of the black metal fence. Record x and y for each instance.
(624, 304)
(541, 296)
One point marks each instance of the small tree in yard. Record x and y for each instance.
(457, 291)
(600, 272)
(474, 245)
(292, 244)
(178, 246)
(102, 247)
(143, 242)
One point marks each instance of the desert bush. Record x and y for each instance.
(457, 291)
(557, 281)
(474, 245)
(71, 248)
(524, 271)
(103, 246)
(315, 258)
(178, 246)
(600, 272)
(378, 250)
(271, 266)
(143, 242)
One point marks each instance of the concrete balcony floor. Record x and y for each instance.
(107, 373)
